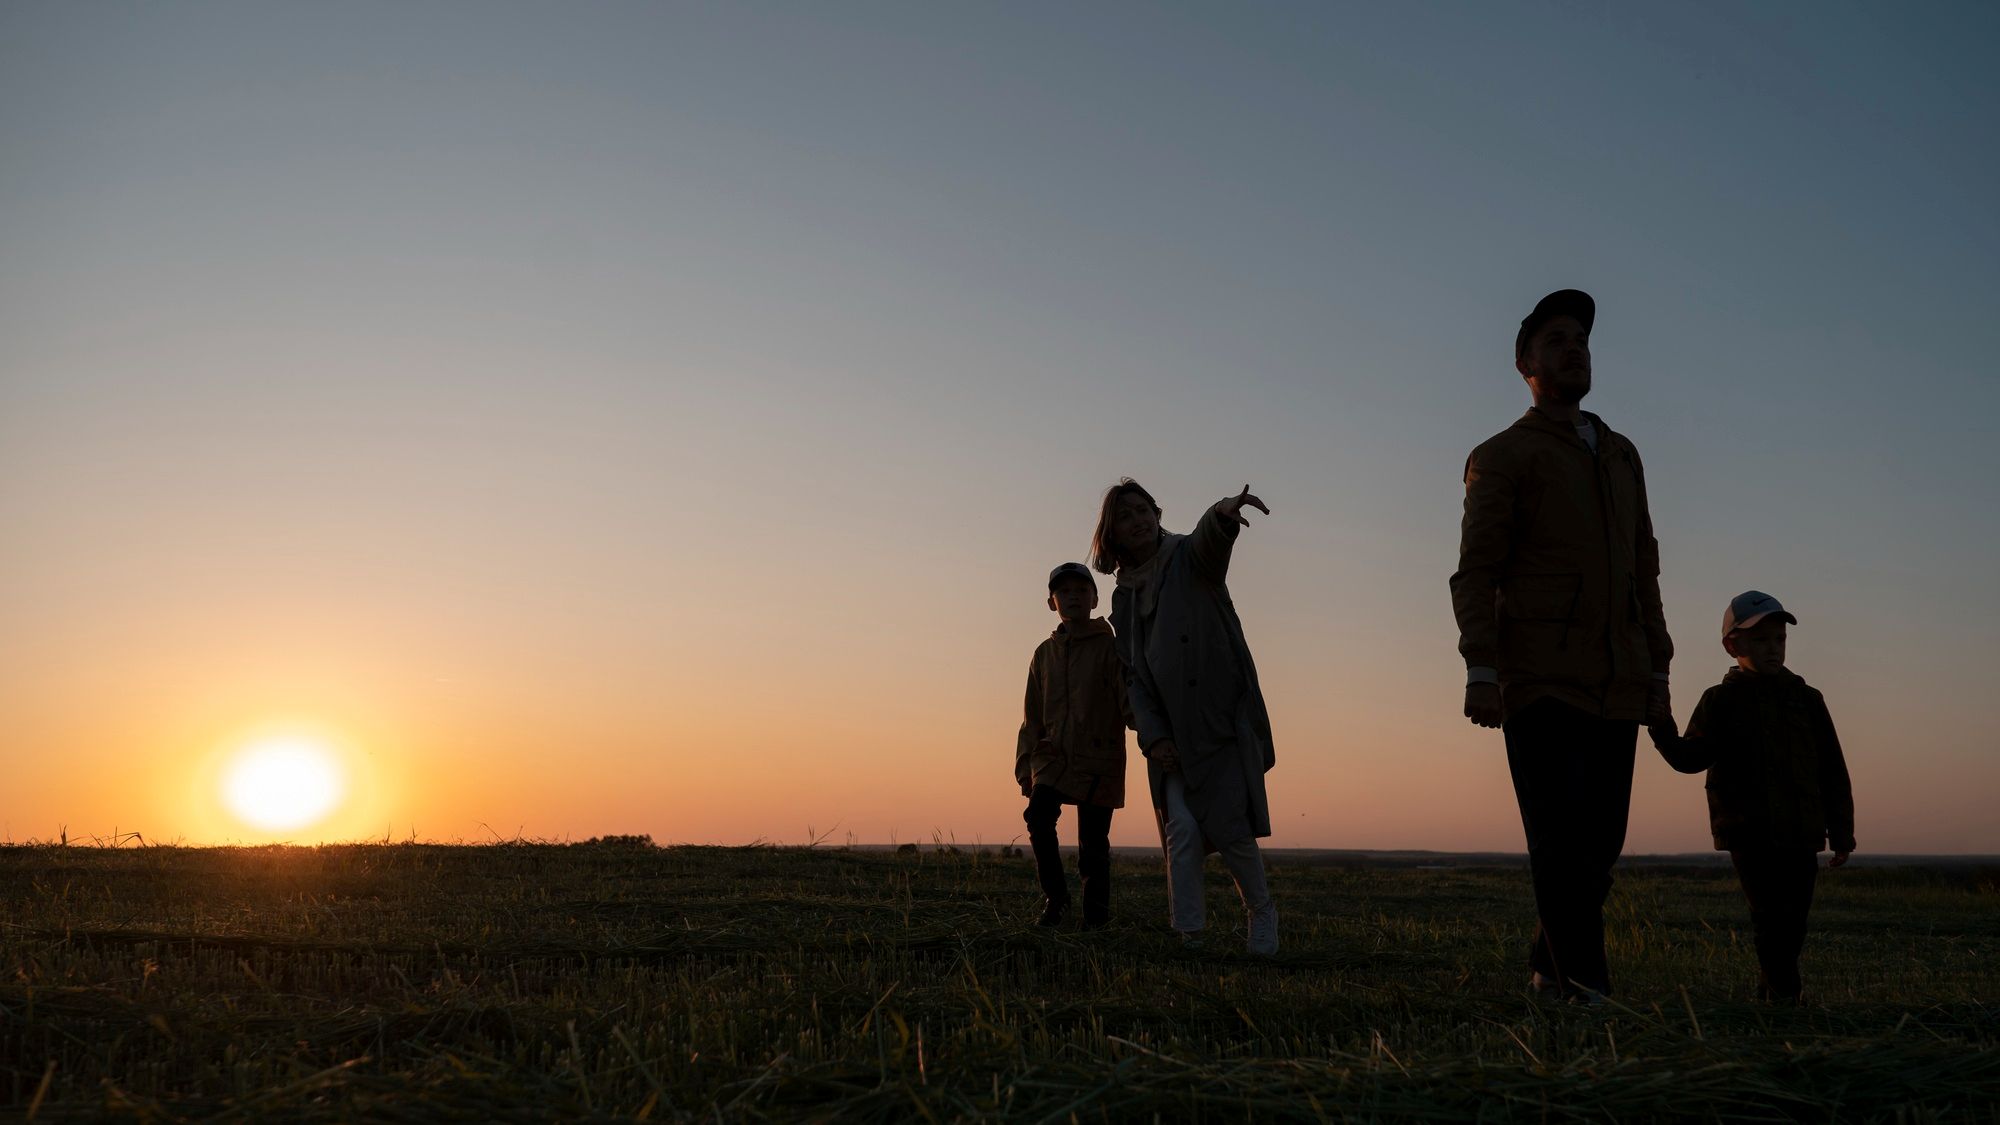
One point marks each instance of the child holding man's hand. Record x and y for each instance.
(1778, 790)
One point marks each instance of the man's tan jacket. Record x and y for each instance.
(1558, 583)
(1073, 728)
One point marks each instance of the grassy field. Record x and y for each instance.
(611, 981)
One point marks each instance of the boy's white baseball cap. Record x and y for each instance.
(1750, 607)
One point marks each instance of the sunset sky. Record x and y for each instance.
(631, 418)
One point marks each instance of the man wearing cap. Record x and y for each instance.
(1557, 597)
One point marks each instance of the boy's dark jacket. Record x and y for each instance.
(1776, 777)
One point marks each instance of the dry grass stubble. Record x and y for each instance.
(618, 982)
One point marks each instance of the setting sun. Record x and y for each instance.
(282, 784)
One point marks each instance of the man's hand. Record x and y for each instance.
(1482, 704)
(1659, 705)
(1166, 754)
(1839, 859)
(1232, 508)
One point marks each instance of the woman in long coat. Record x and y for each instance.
(1195, 699)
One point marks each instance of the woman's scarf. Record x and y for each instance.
(1143, 580)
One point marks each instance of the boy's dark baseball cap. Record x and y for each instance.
(1750, 607)
(1562, 302)
(1069, 570)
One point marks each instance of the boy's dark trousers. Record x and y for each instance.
(1779, 884)
(1093, 851)
(1573, 778)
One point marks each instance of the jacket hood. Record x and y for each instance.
(1095, 626)
(1761, 681)
(1534, 419)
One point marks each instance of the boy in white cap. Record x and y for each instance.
(1778, 790)
(1071, 749)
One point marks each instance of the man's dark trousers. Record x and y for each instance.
(1573, 778)
(1779, 884)
(1093, 851)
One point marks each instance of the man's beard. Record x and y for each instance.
(1569, 391)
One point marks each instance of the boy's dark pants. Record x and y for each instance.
(1093, 851)
(1573, 778)
(1779, 884)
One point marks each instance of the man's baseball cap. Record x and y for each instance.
(1750, 607)
(1562, 302)
(1071, 570)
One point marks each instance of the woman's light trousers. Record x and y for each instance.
(1184, 860)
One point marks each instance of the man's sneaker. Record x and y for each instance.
(1054, 913)
(1095, 920)
(1264, 931)
(1190, 940)
(1543, 984)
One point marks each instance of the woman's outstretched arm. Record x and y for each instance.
(1213, 539)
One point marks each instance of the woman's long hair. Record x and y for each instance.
(1102, 555)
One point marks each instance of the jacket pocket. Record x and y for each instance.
(1101, 755)
(1540, 597)
(1048, 764)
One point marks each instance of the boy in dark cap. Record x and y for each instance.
(1071, 750)
(1777, 784)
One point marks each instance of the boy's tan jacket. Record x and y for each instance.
(1073, 730)
(1558, 583)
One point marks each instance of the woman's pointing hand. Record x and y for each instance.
(1232, 508)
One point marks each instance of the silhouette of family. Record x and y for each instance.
(1564, 636)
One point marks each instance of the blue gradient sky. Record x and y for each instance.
(644, 418)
